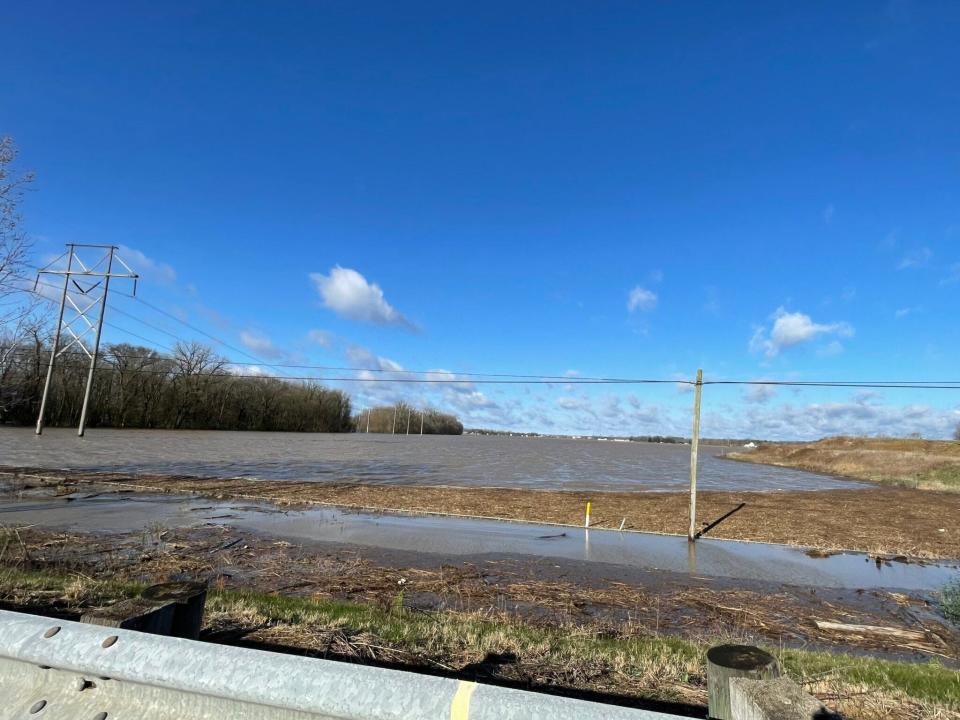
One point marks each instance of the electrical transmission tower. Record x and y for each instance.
(85, 288)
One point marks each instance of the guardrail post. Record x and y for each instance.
(133, 614)
(188, 598)
(734, 661)
(174, 609)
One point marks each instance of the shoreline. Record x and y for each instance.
(882, 521)
(927, 465)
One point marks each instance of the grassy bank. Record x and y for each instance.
(505, 649)
(923, 464)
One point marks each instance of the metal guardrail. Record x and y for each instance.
(52, 669)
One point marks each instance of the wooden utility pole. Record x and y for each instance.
(694, 443)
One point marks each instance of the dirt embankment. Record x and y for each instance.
(923, 464)
(883, 520)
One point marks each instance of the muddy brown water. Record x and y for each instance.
(467, 461)
(111, 512)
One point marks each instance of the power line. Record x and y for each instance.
(489, 378)
(258, 362)
(920, 385)
(431, 381)
(877, 384)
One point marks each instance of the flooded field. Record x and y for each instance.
(457, 537)
(466, 461)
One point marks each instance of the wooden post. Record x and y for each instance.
(778, 699)
(734, 661)
(694, 444)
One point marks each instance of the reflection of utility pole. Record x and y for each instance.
(87, 297)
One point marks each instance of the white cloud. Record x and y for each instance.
(759, 394)
(863, 413)
(828, 213)
(576, 404)
(146, 266)
(953, 275)
(903, 312)
(363, 358)
(323, 338)
(860, 415)
(791, 329)
(834, 347)
(248, 370)
(350, 295)
(916, 258)
(470, 402)
(641, 299)
(450, 380)
(260, 344)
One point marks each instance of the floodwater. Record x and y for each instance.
(465, 461)
(111, 512)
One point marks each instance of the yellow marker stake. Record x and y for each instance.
(586, 522)
(460, 707)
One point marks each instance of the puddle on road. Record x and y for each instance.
(457, 536)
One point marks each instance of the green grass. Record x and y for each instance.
(652, 667)
(951, 601)
(946, 476)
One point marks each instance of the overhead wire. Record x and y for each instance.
(456, 377)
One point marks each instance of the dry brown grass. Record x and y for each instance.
(491, 645)
(923, 464)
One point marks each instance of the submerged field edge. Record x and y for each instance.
(883, 521)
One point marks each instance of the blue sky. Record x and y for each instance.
(764, 190)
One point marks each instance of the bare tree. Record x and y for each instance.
(18, 321)
(14, 242)
(956, 433)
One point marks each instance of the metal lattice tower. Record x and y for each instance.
(85, 288)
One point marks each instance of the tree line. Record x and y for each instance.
(192, 389)
(136, 387)
(402, 418)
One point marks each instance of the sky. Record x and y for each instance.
(765, 190)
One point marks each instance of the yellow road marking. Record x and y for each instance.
(460, 707)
